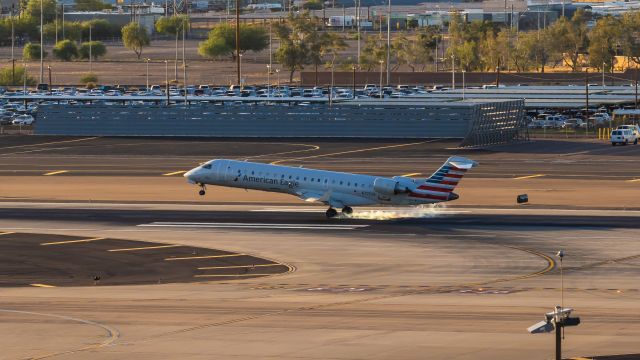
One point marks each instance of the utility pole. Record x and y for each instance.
(238, 40)
(13, 58)
(635, 75)
(166, 79)
(90, 52)
(50, 82)
(453, 72)
(586, 93)
(41, 42)
(358, 25)
(389, 43)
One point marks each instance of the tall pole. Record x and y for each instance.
(388, 43)
(184, 63)
(50, 82)
(453, 72)
(41, 42)
(635, 75)
(463, 85)
(603, 84)
(166, 79)
(90, 52)
(358, 25)
(175, 70)
(558, 339)
(380, 90)
(586, 93)
(354, 82)
(13, 59)
(147, 77)
(435, 58)
(56, 11)
(62, 6)
(268, 81)
(238, 40)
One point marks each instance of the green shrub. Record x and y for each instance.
(7, 78)
(97, 50)
(32, 52)
(89, 78)
(65, 50)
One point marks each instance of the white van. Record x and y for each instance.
(624, 137)
(634, 128)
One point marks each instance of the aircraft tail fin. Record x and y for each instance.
(440, 185)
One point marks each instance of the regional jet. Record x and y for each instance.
(335, 189)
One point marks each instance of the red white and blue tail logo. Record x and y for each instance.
(440, 185)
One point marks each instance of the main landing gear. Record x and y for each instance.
(331, 212)
(203, 190)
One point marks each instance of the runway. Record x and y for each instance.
(460, 281)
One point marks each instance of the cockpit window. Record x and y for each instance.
(206, 166)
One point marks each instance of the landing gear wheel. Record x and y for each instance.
(203, 190)
(347, 210)
(331, 212)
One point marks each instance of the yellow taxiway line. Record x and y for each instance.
(42, 285)
(633, 180)
(72, 241)
(231, 275)
(145, 248)
(411, 174)
(56, 172)
(174, 173)
(7, 233)
(528, 176)
(203, 257)
(350, 151)
(237, 267)
(50, 143)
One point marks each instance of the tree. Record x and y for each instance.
(91, 5)
(569, 38)
(373, 52)
(171, 25)
(72, 30)
(32, 10)
(32, 52)
(294, 35)
(100, 29)
(135, 37)
(65, 50)
(536, 47)
(312, 5)
(222, 40)
(414, 52)
(8, 78)
(631, 35)
(97, 50)
(604, 42)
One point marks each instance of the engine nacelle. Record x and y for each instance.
(389, 187)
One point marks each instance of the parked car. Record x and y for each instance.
(23, 120)
(575, 123)
(600, 118)
(634, 128)
(624, 137)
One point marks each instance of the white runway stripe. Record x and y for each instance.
(253, 225)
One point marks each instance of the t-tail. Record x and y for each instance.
(440, 185)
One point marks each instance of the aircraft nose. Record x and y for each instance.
(190, 176)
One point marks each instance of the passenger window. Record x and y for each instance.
(356, 184)
(305, 179)
(349, 183)
(253, 173)
(311, 179)
(340, 182)
(318, 179)
(282, 177)
(325, 181)
(290, 177)
(297, 177)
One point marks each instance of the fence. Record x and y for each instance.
(494, 122)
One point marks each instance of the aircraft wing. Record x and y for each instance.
(312, 196)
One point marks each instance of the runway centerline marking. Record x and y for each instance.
(56, 172)
(175, 173)
(42, 285)
(145, 248)
(230, 275)
(255, 226)
(353, 151)
(72, 241)
(528, 176)
(237, 266)
(204, 257)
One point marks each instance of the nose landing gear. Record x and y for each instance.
(203, 190)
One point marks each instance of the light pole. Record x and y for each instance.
(147, 77)
(13, 59)
(380, 91)
(240, 82)
(41, 42)
(268, 80)
(388, 44)
(453, 72)
(278, 78)
(90, 48)
(62, 5)
(166, 79)
(238, 39)
(463, 85)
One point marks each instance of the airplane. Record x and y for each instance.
(335, 189)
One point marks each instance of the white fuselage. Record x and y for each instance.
(333, 188)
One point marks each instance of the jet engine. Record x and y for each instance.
(389, 187)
